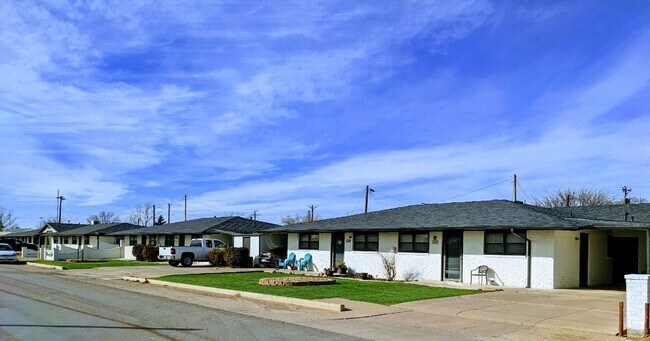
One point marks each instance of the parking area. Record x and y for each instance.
(589, 310)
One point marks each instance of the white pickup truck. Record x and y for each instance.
(197, 251)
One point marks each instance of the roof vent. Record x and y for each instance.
(632, 217)
(626, 216)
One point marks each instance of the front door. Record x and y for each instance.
(584, 259)
(453, 255)
(338, 248)
(625, 251)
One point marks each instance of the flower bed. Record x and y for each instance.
(295, 281)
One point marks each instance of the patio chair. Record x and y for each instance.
(480, 272)
(283, 264)
(304, 263)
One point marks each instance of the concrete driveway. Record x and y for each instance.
(109, 273)
(588, 310)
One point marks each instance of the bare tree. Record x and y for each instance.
(295, 219)
(7, 219)
(51, 220)
(388, 261)
(576, 197)
(104, 217)
(412, 275)
(638, 200)
(142, 214)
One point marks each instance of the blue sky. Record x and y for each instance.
(274, 106)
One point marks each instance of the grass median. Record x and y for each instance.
(92, 265)
(386, 293)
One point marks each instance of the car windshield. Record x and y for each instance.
(195, 243)
(5, 247)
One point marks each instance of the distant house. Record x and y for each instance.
(45, 235)
(94, 235)
(233, 231)
(522, 245)
(25, 235)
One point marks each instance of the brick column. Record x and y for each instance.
(637, 292)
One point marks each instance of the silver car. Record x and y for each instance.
(7, 254)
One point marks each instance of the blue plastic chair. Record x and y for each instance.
(304, 263)
(288, 261)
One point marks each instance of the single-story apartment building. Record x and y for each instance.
(24, 235)
(522, 245)
(233, 231)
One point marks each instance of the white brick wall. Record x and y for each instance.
(637, 294)
(567, 259)
(320, 258)
(427, 264)
(542, 262)
(504, 270)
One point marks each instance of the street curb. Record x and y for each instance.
(46, 266)
(299, 302)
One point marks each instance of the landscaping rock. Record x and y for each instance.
(296, 281)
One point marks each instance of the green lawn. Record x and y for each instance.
(91, 265)
(386, 293)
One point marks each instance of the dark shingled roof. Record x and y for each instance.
(21, 233)
(62, 227)
(99, 229)
(638, 213)
(230, 225)
(477, 215)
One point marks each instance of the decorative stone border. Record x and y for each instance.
(295, 281)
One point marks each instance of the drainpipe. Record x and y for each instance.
(528, 256)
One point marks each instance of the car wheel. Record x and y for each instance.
(186, 261)
(174, 262)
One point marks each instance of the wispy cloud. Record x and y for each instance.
(274, 106)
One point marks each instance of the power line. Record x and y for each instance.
(391, 197)
(476, 190)
(216, 208)
(355, 205)
(522, 190)
(376, 200)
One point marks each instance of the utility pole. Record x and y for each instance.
(153, 223)
(568, 200)
(368, 190)
(254, 216)
(311, 213)
(59, 199)
(185, 207)
(514, 188)
(625, 190)
(169, 212)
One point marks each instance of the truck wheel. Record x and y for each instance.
(174, 262)
(187, 261)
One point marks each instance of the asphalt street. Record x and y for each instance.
(37, 306)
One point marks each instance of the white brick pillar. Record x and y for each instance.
(637, 292)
